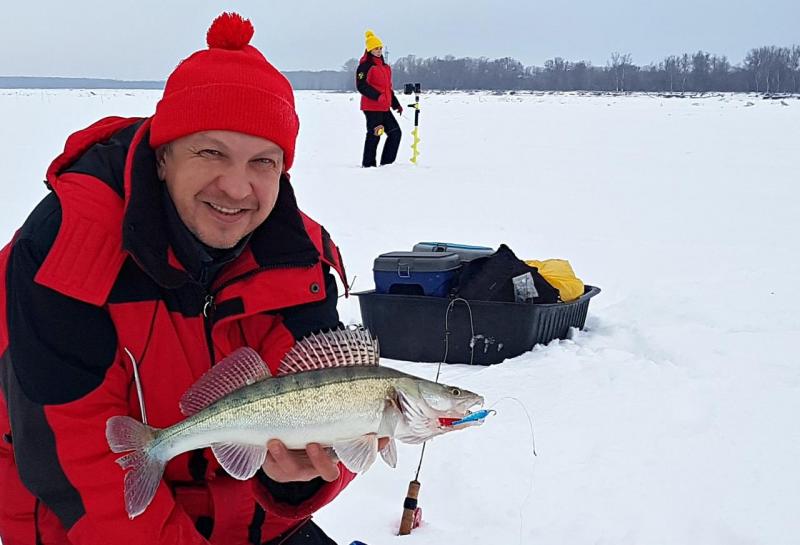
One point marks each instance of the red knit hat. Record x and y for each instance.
(229, 86)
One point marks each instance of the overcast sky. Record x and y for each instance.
(144, 39)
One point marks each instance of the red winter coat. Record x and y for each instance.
(374, 82)
(91, 274)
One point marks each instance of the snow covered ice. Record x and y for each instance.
(672, 419)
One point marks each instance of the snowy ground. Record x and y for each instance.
(672, 419)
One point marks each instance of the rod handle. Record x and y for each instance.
(409, 506)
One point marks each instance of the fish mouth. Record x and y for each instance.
(421, 421)
(454, 417)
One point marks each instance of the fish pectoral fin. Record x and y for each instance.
(389, 453)
(418, 426)
(239, 460)
(359, 454)
(390, 419)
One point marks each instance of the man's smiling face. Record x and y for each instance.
(224, 184)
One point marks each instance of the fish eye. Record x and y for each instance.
(455, 391)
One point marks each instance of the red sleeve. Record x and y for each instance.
(67, 380)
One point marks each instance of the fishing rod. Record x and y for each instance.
(412, 513)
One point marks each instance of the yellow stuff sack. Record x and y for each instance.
(559, 274)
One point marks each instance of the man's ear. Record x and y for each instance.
(161, 162)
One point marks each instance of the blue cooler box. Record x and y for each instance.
(416, 273)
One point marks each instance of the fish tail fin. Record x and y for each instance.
(144, 470)
(124, 433)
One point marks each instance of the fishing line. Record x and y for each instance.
(410, 510)
(529, 493)
(447, 333)
(527, 414)
(446, 351)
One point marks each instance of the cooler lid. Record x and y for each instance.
(449, 246)
(417, 262)
(465, 251)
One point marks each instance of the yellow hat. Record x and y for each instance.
(372, 40)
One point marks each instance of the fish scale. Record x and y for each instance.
(267, 408)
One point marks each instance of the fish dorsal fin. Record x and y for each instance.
(242, 367)
(338, 348)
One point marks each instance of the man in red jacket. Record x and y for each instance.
(374, 82)
(165, 244)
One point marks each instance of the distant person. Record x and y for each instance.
(165, 244)
(374, 82)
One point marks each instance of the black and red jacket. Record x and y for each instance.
(374, 82)
(89, 277)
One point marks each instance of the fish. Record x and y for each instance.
(329, 389)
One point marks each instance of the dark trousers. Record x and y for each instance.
(307, 533)
(393, 134)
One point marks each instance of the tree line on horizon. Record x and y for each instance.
(767, 69)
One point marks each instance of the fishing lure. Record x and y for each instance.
(474, 418)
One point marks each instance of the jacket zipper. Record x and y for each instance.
(209, 299)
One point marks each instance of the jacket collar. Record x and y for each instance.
(281, 241)
(369, 57)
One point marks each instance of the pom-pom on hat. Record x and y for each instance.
(229, 86)
(372, 41)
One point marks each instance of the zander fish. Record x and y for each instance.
(328, 389)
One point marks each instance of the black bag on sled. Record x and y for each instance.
(503, 277)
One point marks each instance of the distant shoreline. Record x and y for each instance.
(335, 82)
(305, 80)
(33, 82)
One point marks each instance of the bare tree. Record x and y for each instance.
(671, 70)
(720, 73)
(794, 67)
(618, 64)
(580, 75)
(684, 64)
(613, 65)
(701, 67)
(781, 60)
(754, 66)
(556, 72)
(350, 65)
(627, 62)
